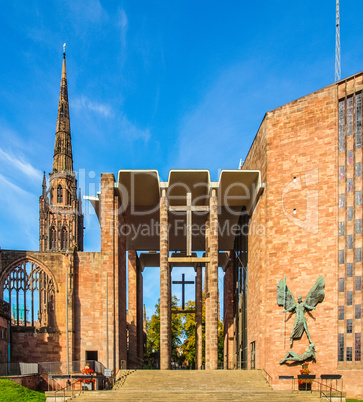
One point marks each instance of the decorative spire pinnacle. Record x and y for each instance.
(63, 159)
(44, 185)
(79, 201)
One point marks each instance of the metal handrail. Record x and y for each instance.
(135, 359)
(66, 388)
(330, 391)
(320, 385)
(267, 376)
(61, 366)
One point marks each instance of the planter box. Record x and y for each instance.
(87, 387)
(305, 387)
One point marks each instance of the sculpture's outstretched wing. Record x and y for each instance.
(317, 293)
(284, 297)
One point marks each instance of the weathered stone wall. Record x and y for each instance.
(32, 381)
(113, 250)
(90, 298)
(3, 339)
(40, 346)
(87, 302)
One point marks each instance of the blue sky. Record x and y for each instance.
(161, 84)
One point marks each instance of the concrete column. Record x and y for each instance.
(132, 310)
(165, 302)
(212, 323)
(228, 316)
(198, 319)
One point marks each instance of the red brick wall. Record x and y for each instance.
(257, 159)
(297, 140)
(302, 143)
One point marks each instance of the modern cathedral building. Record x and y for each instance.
(286, 228)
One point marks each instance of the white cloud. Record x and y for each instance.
(5, 183)
(122, 23)
(90, 10)
(129, 130)
(18, 163)
(83, 102)
(18, 217)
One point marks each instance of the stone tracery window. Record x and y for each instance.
(31, 294)
(53, 238)
(59, 194)
(64, 239)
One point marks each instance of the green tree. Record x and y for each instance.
(153, 330)
(220, 341)
(188, 346)
(183, 328)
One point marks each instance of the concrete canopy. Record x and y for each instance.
(140, 192)
(153, 260)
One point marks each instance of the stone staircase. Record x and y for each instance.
(189, 385)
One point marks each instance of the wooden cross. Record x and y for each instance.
(189, 208)
(183, 282)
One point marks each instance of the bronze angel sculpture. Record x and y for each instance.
(286, 299)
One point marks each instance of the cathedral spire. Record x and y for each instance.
(60, 212)
(63, 158)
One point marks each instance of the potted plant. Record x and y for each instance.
(87, 383)
(304, 383)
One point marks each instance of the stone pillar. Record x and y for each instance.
(228, 315)
(212, 323)
(108, 223)
(140, 314)
(132, 310)
(198, 319)
(68, 264)
(206, 301)
(120, 253)
(165, 302)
